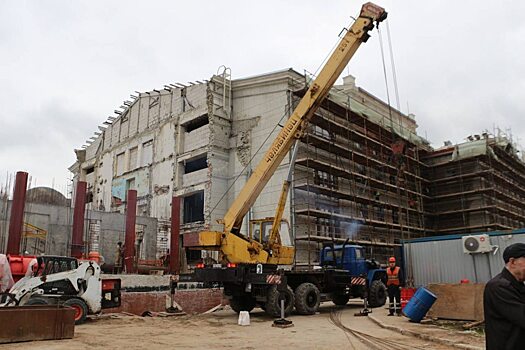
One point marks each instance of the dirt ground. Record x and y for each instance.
(219, 330)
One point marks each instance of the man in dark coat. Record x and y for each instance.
(504, 303)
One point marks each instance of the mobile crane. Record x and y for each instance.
(249, 269)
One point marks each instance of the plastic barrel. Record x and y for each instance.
(406, 295)
(419, 304)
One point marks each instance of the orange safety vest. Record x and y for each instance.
(393, 278)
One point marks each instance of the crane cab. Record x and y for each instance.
(260, 230)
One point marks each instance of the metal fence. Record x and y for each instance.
(442, 259)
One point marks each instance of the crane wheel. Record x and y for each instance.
(273, 301)
(242, 303)
(377, 294)
(307, 299)
(340, 299)
(80, 307)
(37, 301)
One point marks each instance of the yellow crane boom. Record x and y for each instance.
(240, 249)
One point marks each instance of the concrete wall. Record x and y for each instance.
(58, 220)
(260, 104)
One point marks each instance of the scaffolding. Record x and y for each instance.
(476, 186)
(358, 180)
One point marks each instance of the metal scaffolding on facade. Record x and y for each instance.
(355, 180)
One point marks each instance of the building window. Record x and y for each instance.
(120, 164)
(319, 131)
(395, 216)
(147, 153)
(363, 208)
(196, 164)
(327, 227)
(194, 208)
(133, 158)
(130, 184)
(322, 178)
(193, 256)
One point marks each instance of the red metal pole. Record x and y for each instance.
(77, 240)
(129, 245)
(17, 214)
(175, 234)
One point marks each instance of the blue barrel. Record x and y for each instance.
(419, 304)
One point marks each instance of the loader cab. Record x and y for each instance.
(48, 265)
(260, 230)
(346, 256)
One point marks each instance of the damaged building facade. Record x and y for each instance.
(362, 173)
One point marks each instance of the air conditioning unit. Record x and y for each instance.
(476, 244)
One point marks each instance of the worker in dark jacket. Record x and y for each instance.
(504, 303)
(395, 281)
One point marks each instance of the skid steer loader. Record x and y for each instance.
(58, 280)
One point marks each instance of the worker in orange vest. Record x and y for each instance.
(394, 283)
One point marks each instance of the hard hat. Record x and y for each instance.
(391, 259)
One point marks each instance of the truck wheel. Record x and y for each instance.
(377, 294)
(273, 302)
(242, 303)
(81, 309)
(307, 299)
(37, 301)
(340, 299)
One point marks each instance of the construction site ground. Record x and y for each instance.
(333, 327)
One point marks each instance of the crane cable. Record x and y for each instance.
(278, 124)
(386, 79)
(394, 75)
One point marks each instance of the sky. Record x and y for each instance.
(65, 66)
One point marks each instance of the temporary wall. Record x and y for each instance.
(441, 259)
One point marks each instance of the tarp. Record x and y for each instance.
(366, 112)
(6, 279)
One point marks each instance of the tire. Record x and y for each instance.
(37, 301)
(81, 309)
(307, 299)
(340, 299)
(377, 294)
(273, 303)
(242, 303)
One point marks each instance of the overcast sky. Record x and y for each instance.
(66, 65)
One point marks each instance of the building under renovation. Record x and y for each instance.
(476, 186)
(362, 173)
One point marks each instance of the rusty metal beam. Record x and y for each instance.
(77, 239)
(129, 245)
(17, 214)
(36, 322)
(175, 234)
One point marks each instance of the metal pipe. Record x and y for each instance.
(175, 234)
(17, 214)
(129, 245)
(77, 241)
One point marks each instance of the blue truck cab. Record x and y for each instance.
(368, 279)
(349, 257)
